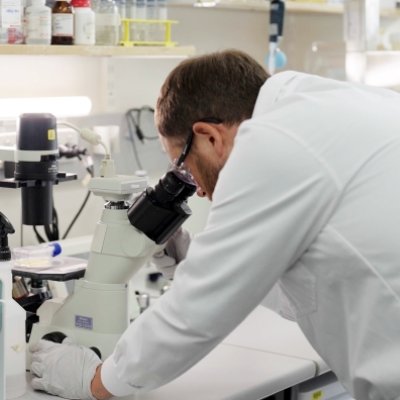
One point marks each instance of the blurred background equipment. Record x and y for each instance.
(276, 58)
(12, 324)
(36, 169)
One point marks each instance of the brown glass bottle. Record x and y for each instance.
(62, 23)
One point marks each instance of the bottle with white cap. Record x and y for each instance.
(84, 23)
(37, 23)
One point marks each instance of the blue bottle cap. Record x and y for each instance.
(56, 249)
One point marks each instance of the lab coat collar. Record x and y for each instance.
(275, 87)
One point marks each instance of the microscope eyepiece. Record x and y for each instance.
(158, 212)
(174, 184)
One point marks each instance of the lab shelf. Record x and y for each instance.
(98, 51)
(299, 7)
(261, 5)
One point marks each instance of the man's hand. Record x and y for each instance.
(97, 387)
(175, 251)
(65, 370)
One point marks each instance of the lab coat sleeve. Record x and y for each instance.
(272, 198)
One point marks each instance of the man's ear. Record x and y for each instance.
(209, 137)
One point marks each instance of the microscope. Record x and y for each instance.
(36, 167)
(126, 236)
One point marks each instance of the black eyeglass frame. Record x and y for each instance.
(189, 141)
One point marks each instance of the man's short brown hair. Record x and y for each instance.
(222, 85)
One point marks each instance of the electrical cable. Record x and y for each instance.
(77, 214)
(139, 113)
(85, 200)
(38, 236)
(133, 118)
(52, 230)
(136, 121)
(132, 139)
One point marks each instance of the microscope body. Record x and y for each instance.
(102, 305)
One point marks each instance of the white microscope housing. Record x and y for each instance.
(101, 306)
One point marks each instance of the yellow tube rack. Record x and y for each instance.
(129, 23)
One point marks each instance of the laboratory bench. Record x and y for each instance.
(264, 355)
(265, 330)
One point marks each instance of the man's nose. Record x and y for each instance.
(200, 192)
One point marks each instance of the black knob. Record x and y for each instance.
(56, 337)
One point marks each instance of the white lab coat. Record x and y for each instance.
(310, 196)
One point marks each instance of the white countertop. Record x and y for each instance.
(228, 372)
(265, 330)
(235, 373)
(264, 355)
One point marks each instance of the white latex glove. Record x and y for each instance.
(174, 252)
(65, 370)
(178, 245)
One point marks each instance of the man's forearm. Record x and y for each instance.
(97, 388)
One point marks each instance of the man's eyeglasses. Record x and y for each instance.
(189, 141)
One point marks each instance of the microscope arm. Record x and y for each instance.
(118, 249)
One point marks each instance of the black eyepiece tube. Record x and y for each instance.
(159, 212)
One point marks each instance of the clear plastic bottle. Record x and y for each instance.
(139, 29)
(152, 15)
(108, 23)
(131, 13)
(84, 23)
(13, 332)
(162, 16)
(38, 23)
(121, 5)
(162, 10)
(62, 21)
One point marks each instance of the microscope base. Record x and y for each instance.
(95, 315)
(102, 341)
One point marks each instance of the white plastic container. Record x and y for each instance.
(84, 23)
(13, 326)
(38, 23)
(35, 256)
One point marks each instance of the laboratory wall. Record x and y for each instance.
(312, 43)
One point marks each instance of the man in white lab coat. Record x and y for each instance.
(304, 177)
